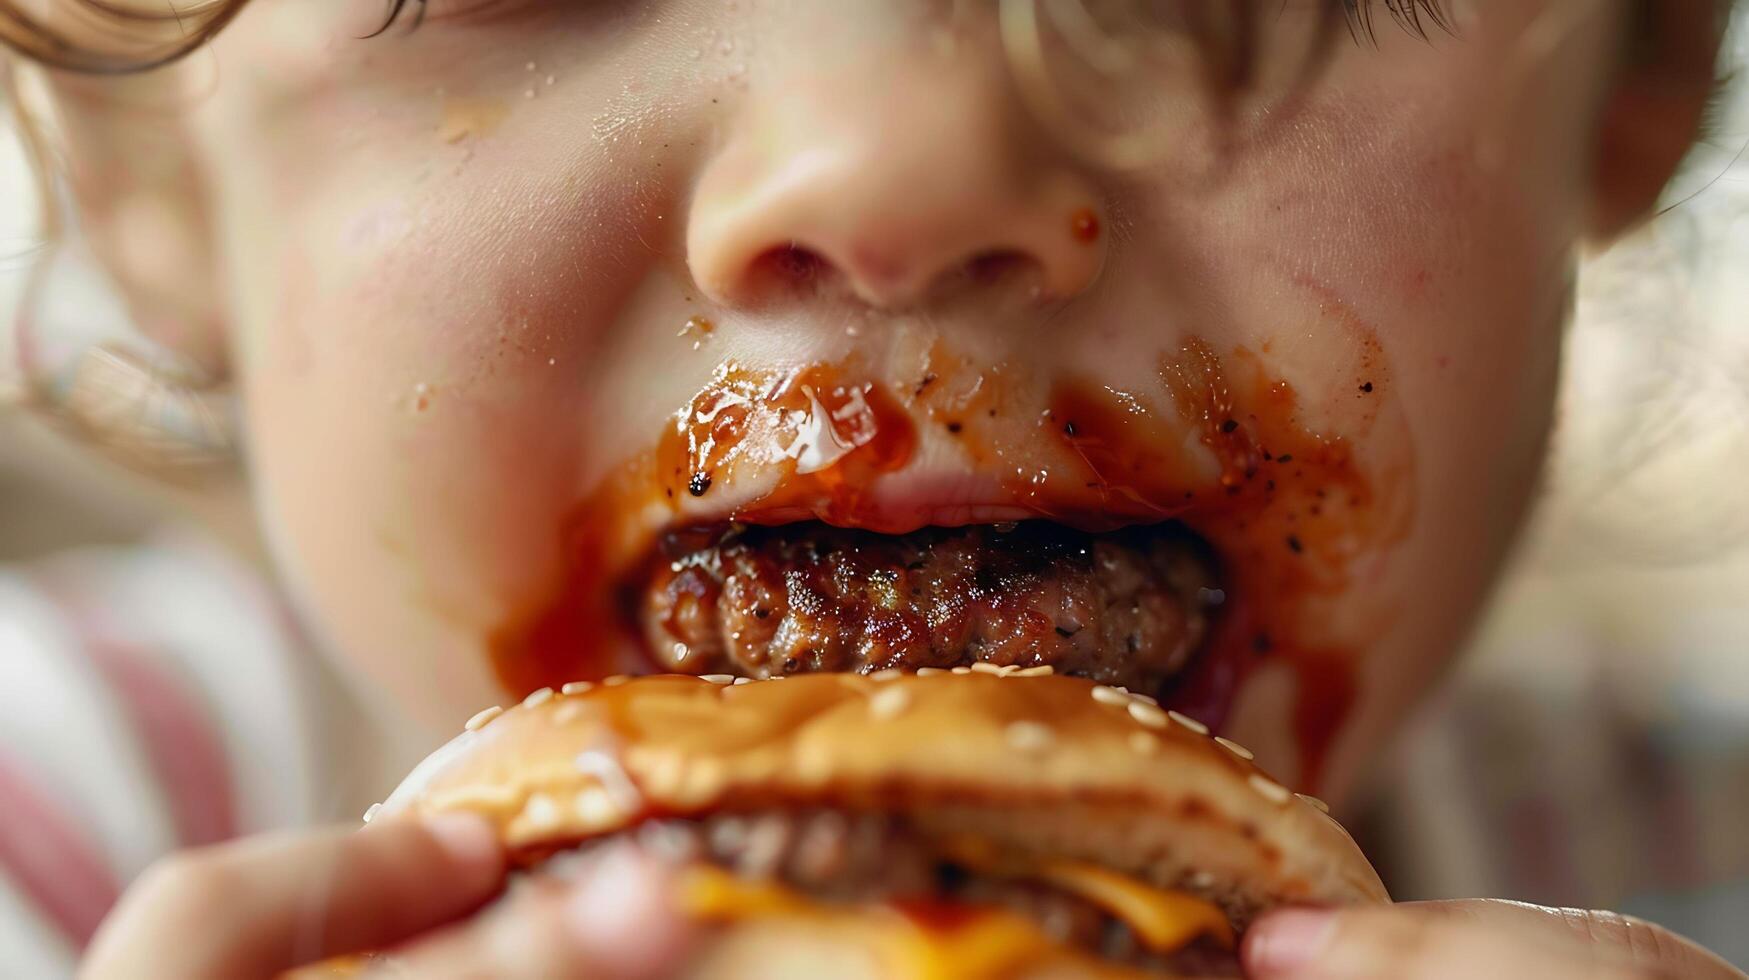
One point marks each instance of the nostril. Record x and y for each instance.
(995, 266)
(1001, 268)
(789, 267)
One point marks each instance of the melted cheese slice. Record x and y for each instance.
(981, 943)
(1163, 920)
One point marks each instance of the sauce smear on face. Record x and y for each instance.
(1288, 509)
(821, 432)
(1222, 445)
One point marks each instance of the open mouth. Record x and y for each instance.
(1170, 540)
(1129, 607)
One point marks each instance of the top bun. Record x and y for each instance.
(1046, 765)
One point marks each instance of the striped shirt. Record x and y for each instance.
(151, 698)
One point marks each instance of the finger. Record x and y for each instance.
(1436, 941)
(256, 907)
(617, 922)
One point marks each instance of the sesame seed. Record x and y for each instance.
(1029, 736)
(723, 680)
(371, 814)
(888, 702)
(1147, 714)
(479, 721)
(596, 808)
(576, 687)
(567, 713)
(742, 680)
(986, 668)
(1007, 670)
(1145, 699)
(1189, 722)
(1272, 791)
(1144, 744)
(1235, 748)
(1314, 802)
(1042, 670)
(615, 681)
(929, 671)
(541, 810)
(962, 670)
(1111, 696)
(889, 674)
(539, 697)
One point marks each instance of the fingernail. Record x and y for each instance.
(1284, 943)
(464, 837)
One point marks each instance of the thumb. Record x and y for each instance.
(1440, 940)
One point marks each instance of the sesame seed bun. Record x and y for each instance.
(1042, 766)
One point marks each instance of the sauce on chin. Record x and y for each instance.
(1295, 518)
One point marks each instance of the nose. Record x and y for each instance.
(892, 181)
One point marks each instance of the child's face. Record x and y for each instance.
(476, 273)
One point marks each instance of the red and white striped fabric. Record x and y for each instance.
(151, 698)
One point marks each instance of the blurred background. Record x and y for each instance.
(1592, 750)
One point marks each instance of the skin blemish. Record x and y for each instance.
(465, 118)
(1084, 225)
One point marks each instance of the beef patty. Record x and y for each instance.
(1126, 608)
(875, 857)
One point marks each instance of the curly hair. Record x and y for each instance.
(107, 37)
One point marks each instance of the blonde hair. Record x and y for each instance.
(139, 406)
(109, 37)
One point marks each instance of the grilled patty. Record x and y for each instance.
(876, 857)
(1126, 608)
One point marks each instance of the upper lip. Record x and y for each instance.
(893, 503)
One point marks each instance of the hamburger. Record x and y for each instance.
(975, 823)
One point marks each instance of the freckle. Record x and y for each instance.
(1294, 544)
(1367, 388)
(1084, 225)
(954, 427)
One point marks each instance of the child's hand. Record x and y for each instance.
(1441, 940)
(255, 908)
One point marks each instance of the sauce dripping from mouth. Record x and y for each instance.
(829, 432)
(1298, 522)
(1290, 511)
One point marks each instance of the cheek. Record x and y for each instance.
(1414, 298)
(418, 419)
